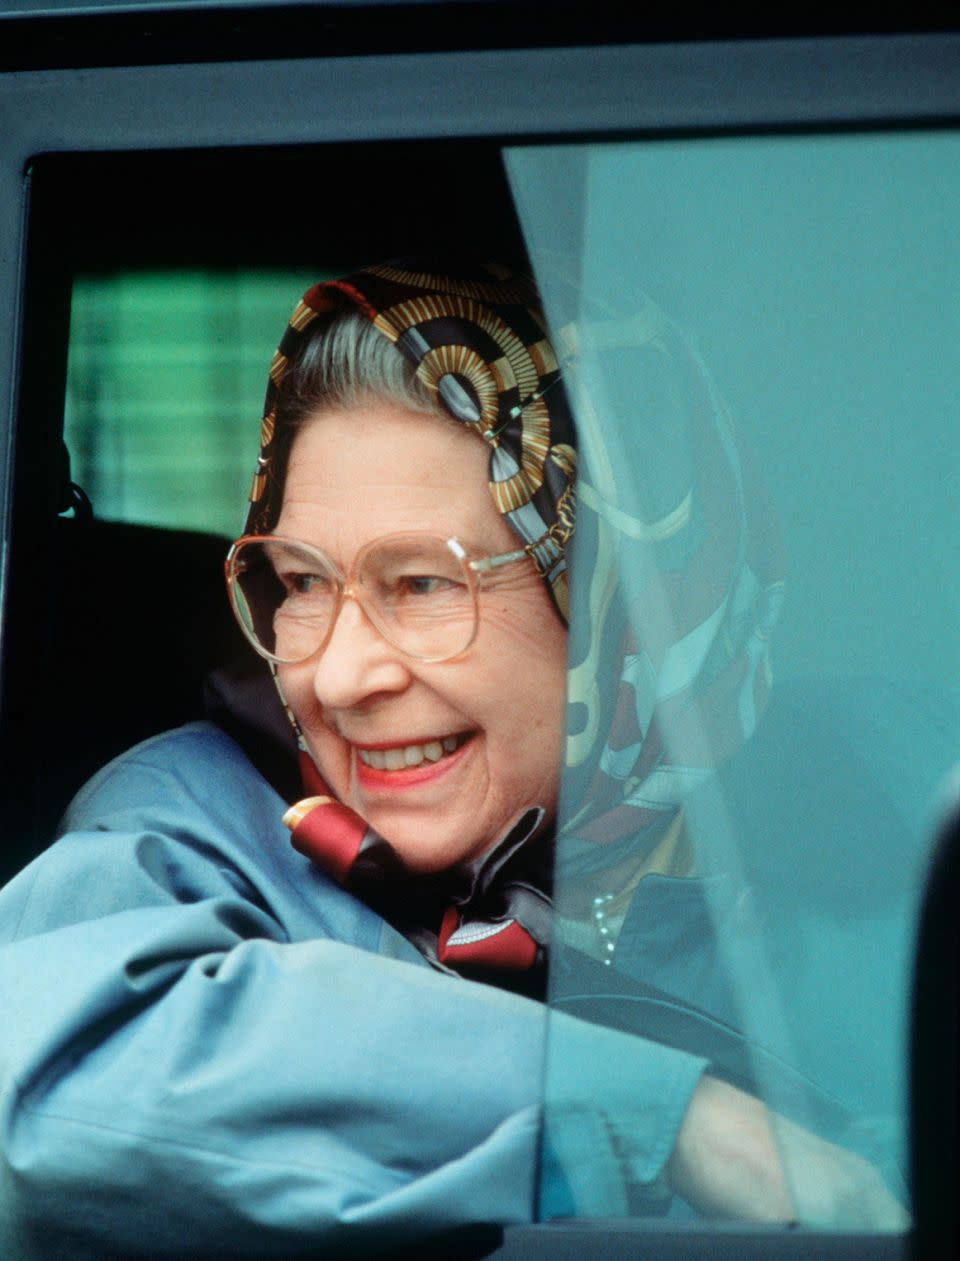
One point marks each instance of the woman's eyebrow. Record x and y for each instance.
(287, 549)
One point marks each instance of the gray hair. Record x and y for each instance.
(344, 361)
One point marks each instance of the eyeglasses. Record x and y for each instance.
(420, 591)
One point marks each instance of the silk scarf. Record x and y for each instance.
(679, 582)
(477, 340)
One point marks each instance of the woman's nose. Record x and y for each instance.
(357, 662)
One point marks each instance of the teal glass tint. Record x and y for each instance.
(761, 348)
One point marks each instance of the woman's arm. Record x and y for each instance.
(202, 1053)
(733, 1158)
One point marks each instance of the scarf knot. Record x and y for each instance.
(489, 915)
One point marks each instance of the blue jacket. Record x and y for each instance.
(208, 1048)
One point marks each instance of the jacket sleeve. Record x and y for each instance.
(202, 1052)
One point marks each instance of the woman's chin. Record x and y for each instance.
(438, 854)
(432, 842)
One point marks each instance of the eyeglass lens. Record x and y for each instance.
(416, 590)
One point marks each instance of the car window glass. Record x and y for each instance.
(760, 341)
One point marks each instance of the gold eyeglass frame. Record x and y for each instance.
(475, 569)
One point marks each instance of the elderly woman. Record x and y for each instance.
(219, 1043)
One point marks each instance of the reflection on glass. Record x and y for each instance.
(743, 847)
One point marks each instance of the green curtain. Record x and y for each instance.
(165, 381)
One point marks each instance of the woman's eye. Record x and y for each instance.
(427, 584)
(305, 584)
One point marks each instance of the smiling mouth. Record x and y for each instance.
(407, 757)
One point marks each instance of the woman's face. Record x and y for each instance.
(379, 469)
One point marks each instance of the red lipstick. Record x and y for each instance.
(371, 779)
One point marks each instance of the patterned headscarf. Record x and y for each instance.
(479, 346)
(679, 581)
(477, 341)
(678, 586)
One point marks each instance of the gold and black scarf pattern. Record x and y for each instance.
(479, 345)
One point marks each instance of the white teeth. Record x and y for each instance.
(408, 756)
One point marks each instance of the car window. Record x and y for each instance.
(801, 288)
(164, 379)
(761, 352)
